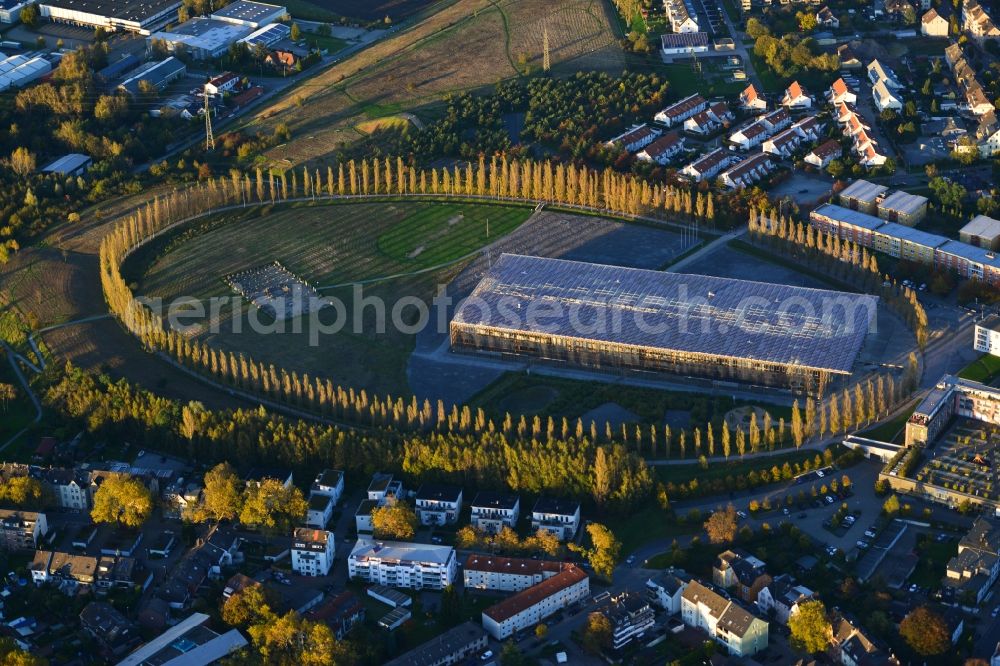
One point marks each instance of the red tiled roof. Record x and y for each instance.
(839, 87)
(795, 90)
(823, 151)
(525, 599)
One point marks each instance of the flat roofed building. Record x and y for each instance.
(202, 38)
(862, 195)
(774, 348)
(312, 551)
(506, 574)
(981, 231)
(141, 16)
(268, 35)
(22, 530)
(438, 504)
(492, 511)
(188, 642)
(529, 607)
(968, 261)
(319, 511)
(898, 240)
(665, 589)
(630, 616)
(454, 646)
(415, 566)
(558, 516)
(250, 14)
(73, 164)
(329, 482)
(10, 11)
(158, 74)
(987, 339)
(903, 207)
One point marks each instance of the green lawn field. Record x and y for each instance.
(393, 248)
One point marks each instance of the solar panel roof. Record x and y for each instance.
(740, 319)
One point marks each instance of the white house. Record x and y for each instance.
(709, 120)
(879, 72)
(751, 101)
(312, 551)
(681, 16)
(665, 589)
(822, 155)
(438, 504)
(840, 93)
(560, 517)
(664, 148)
(329, 482)
(319, 511)
(709, 165)
(680, 111)
(933, 24)
(783, 144)
(492, 511)
(827, 18)
(742, 633)
(382, 490)
(531, 606)
(415, 566)
(795, 97)
(221, 84)
(22, 529)
(638, 137)
(507, 574)
(748, 171)
(71, 490)
(884, 98)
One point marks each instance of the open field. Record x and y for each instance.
(984, 369)
(370, 11)
(396, 248)
(464, 46)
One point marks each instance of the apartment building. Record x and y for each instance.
(862, 196)
(70, 489)
(312, 551)
(531, 606)
(329, 482)
(974, 570)
(507, 574)
(438, 504)
(21, 530)
(902, 207)
(665, 589)
(456, 646)
(415, 566)
(981, 231)
(382, 490)
(319, 511)
(987, 338)
(630, 616)
(558, 516)
(742, 633)
(742, 572)
(492, 511)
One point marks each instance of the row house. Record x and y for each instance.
(709, 120)
(68, 571)
(976, 101)
(22, 530)
(635, 138)
(750, 100)
(783, 596)
(708, 166)
(841, 93)
(755, 133)
(533, 605)
(559, 517)
(741, 571)
(795, 97)
(977, 23)
(681, 16)
(506, 574)
(783, 144)
(492, 511)
(742, 633)
(988, 135)
(748, 172)
(663, 149)
(438, 504)
(416, 566)
(680, 111)
(822, 155)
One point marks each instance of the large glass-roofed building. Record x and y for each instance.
(614, 318)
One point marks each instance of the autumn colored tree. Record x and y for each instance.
(21, 491)
(810, 627)
(603, 552)
(721, 525)
(272, 507)
(596, 633)
(395, 520)
(222, 498)
(247, 607)
(925, 631)
(122, 500)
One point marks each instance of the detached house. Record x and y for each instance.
(491, 511)
(852, 647)
(795, 97)
(826, 18)
(438, 504)
(783, 596)
(933, 24)
(558, 516)
(665, 589)
(742, 633)
(741, 571)
(751, 101)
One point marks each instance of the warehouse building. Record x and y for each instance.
(24, 73)
(141, 16)
(250, 14)
(10, 10)
(625, 319)
(73, 164)
(269, 35)
(202, 38)
(159, 74)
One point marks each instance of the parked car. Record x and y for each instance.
(741, 514)
(829, 500)
(870, 533)
(862, 544)
(486, 655)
